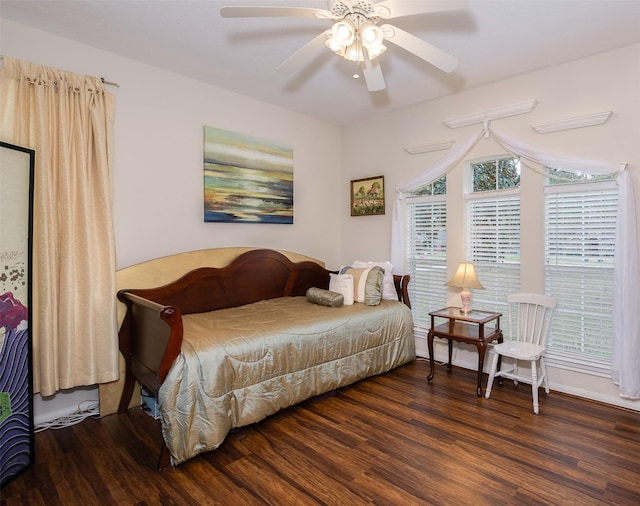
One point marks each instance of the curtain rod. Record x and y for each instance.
(104, 81)
(109, 83)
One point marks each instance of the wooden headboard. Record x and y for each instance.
(255, 275)
(252, 276)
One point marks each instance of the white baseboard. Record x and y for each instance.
(63, 403)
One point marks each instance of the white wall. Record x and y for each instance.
(606, 82)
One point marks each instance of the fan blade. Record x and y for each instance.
(399, 8)
(270, 12)
(428, 52)
(299, 58)
(373, 74)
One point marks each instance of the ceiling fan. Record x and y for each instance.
(356, 34)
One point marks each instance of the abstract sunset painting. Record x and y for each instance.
(246, 180)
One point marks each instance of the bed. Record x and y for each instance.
(225, 347)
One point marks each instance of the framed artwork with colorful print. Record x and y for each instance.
(367, 196)
(16, 383)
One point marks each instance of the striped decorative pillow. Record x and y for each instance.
(367, 284)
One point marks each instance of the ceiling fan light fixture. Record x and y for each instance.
(334, 45)
(343, 32)
(371, 34)
(372, 38)
(354, 52)
(349, 41)
(376, 51)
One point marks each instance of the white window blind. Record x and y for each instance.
(579, 257)
(493, 245)
(426, 254)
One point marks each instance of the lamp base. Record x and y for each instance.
(465, 297)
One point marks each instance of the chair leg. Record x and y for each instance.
(534, 385)
(543, 370)
(492, 373)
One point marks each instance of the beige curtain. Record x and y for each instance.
(68, 120)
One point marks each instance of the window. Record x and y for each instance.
(580, 217)
(493, 230)
(574, 262)
(426, 249)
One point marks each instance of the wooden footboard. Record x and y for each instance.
(150, 339)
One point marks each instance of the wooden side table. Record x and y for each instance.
(466, 328)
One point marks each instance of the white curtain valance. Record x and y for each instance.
(626, 300)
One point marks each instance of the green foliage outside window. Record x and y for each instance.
(557, 176)
(500, 174)
(437, 187)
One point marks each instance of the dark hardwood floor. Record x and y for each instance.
(394, 439)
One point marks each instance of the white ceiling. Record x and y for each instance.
(492, 39)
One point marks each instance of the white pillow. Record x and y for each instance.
(342, 283)
(388, 287)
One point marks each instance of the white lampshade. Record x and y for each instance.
(372, 38)
(371, 34)
(344, 32)
(354, 52)
(465, 278)
(376, 51)
(333, 44)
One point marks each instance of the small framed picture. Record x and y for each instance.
(367, 196)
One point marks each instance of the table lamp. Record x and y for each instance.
(465, 278)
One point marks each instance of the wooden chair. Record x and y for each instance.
(529, 319)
